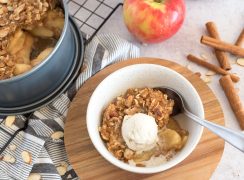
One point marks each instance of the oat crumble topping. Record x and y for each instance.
(144, 100)
(15, 15)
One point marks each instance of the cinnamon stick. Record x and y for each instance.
(221, 45)
(212, 67)
(240, 39)
(233, 98)
(220, 55)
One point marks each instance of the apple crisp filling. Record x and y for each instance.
(28, 32)
(154, 103)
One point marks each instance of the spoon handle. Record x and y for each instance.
(234, 138)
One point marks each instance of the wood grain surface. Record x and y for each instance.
(89, 164)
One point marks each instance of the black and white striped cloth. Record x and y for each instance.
(48, 154)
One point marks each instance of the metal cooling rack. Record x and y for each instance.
(91, 15)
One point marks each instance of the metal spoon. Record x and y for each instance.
(234, 138)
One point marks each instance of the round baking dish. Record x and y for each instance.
(39, 86)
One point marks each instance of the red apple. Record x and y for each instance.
(153, 21)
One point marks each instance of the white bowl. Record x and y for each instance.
(139, 76)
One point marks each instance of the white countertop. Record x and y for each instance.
(229, 18)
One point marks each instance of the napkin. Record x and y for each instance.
(40, 140)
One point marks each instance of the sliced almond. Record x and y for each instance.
(188, 66)
(57, 135)
(64, 164)
(34, 176)
(69, 176)
(61, 170)
(9, 121)
(12, 147)
(203, 56)
(9, 158)
(207, 79)
(240, 61)
(26, 156)
(210, 73)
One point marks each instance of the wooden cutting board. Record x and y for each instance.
(89, 164)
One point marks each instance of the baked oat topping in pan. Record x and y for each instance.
(21, 21)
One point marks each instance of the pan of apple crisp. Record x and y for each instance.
(40, 50)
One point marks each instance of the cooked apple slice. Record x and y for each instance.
(184, 140)
(169, 139)
(55, 23)
(17, 42)
(52, 15)
(21, 68)
(172, 124)
(41, 56)
(144, 156)
(42, 32)
(23, 56)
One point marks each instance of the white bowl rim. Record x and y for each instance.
(142, 170)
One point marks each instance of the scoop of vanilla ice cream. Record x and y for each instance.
(140, 132)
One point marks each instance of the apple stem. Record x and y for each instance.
(158, 1)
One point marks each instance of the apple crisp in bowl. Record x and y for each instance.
(151, 137)
(130, 122)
